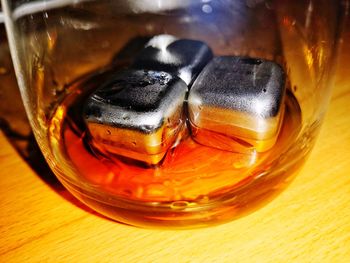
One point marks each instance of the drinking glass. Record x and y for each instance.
(64, 50)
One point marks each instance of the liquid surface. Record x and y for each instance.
(189, 171)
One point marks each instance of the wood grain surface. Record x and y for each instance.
(308, 222)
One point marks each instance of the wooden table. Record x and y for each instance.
(308, 222)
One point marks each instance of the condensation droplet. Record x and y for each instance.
(207, 9)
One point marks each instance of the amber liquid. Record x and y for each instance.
(190, 175)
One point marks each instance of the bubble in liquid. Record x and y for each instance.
(3, 71)
(179, 205)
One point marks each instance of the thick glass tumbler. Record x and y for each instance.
(174, 113)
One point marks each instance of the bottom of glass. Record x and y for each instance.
(183, 214)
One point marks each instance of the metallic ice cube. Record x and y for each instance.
(136, 114)
(182, 57)
(237, 100)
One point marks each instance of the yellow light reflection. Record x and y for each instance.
(309, 57)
